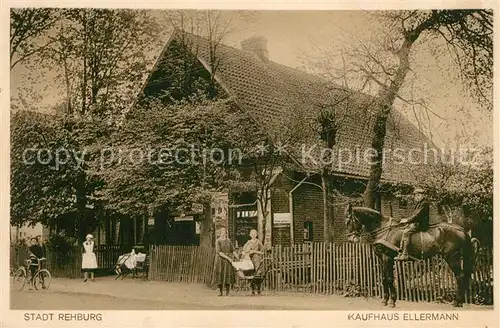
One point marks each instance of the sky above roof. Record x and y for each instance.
(304, 39)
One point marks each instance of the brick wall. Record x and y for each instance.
(279, 201)
(308, 206)
(280, 204)
(281, 236)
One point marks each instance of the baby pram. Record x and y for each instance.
(130, 263)
(248, 275)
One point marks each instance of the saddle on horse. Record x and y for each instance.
(419, 221)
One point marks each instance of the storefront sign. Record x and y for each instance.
(183, 218)
(282, 220)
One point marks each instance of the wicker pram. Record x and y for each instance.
(131, 263)
(246, 272)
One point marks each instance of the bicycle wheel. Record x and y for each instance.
(20, 278)
(42, 279)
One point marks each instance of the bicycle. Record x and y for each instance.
(41, 279)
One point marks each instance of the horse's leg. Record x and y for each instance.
(385, 286)
(389, 280)
(456, 267)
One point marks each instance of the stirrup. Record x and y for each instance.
(402, 257)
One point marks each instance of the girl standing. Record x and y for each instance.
(255, 249)
(89, 260)
(225, 253)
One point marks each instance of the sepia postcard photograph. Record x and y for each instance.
(254, 160)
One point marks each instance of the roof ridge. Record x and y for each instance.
(268, 62)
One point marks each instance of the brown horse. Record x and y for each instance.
(384, 233)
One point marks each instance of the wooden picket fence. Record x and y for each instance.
(353, 270)
(346, 269)
(190, 264)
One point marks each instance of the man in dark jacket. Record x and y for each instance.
(35, 253)
(419, 221)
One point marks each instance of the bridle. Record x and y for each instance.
(357, 232)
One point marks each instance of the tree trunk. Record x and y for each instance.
(17, 231)
(263, 212)
(372, 191)
(265, 233)
(385, 102)
(206, 227)
(326, 216)
(260, 219)
(69, 110)
(84, 83)
(82, 225)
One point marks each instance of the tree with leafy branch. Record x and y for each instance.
(102, 58)
(385, 62)
(182, 79)
(48, 167)
(463, 183)
(28, 32)
(100, 55)
(175, 155)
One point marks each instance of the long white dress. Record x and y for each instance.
(89, 260)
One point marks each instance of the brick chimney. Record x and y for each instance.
(256, 45)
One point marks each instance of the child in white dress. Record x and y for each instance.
(89, 260)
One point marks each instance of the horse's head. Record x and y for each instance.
(359, 219)
(353, 225)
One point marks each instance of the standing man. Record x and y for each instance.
(419, 221)
(35, 254)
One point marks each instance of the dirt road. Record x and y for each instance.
(129, 294)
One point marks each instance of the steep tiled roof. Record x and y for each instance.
(275, 95)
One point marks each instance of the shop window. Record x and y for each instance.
(246, 220)
(308, 231)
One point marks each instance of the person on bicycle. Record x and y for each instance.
(35, 253)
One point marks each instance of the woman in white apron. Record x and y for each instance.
(89, 260)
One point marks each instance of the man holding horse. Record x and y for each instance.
(419, 221)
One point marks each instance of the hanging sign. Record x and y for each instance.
(282, 220)
(183, 218)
